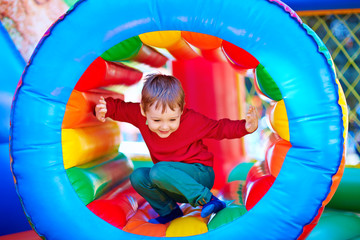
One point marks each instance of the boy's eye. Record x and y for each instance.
(156, 120)
(173, 120)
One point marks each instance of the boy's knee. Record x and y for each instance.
(158, 173)
(139, 176)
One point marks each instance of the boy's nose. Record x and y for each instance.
(164, 127)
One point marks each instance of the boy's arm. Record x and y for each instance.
(226, 128)
(122, 111)
(113, 106)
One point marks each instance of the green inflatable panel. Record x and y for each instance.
(347, 196)
(228, 214)
(240, 172)
(336, 225)
(124, 50)
(93, 179)
(267, 84)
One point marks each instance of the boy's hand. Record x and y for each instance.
(251, 120)
(100, 109)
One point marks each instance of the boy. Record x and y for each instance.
(183, 165)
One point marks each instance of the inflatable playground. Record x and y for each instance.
(71, 179)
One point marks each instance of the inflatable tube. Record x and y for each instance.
(268, 30)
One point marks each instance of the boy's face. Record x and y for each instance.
(162, 123)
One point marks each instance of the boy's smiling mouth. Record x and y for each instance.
(164, 132)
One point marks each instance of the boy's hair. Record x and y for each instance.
(163, 90)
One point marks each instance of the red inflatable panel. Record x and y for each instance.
(27, 235)
(238, 57)
(257, 189)
(211, 89)
(308, 228)
(102, 73)
(150, 56)
(257, 171)
(117, 206)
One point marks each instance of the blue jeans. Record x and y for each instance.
(167, 183)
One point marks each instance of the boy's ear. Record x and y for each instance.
(183, 108)
(142, 110)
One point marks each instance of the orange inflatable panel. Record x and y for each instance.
(80, 108)
(102, 73)
(201, 40)
(139, 224)
(275, 155)
(213, 55)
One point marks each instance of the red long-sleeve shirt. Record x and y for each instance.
(183, 145)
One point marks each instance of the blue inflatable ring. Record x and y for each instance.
(267, 29)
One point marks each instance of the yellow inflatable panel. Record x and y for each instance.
(161, 39)
(186, 226)
(191, 224)
(342, 103)
(171, 41)
(279, 120)
(82, 145)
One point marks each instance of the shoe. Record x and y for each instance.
(175, 213)
(213, 206)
